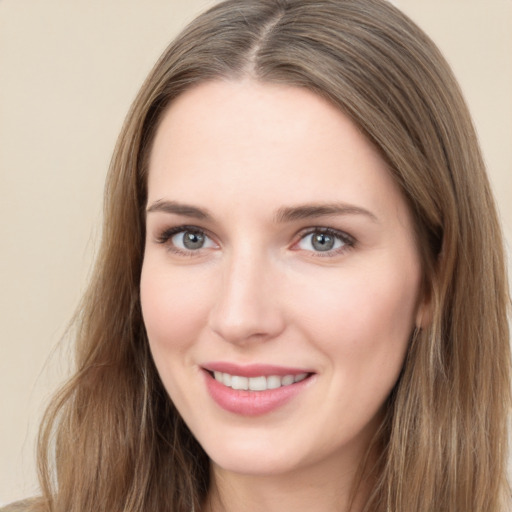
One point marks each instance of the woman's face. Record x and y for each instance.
(279, 257)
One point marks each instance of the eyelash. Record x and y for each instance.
(348, 241)
(165, 237)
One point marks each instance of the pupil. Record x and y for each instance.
(323, 242)
(193, 240)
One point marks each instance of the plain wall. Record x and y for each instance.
(68, 72)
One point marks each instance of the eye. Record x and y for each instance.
(325, 240)
(185, 239)
(190, 240)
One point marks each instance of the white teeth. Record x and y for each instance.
(226, 379)
(238, 382)
(287, 380)
(261, 383)
(273, 382)
(257, 383)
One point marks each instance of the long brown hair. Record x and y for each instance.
(112, 439)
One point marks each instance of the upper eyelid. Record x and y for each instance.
(325, 229)
(178, 229)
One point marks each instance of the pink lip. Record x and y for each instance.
(252, 403)
(253, 370)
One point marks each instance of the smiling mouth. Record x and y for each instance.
(252, 390)
(259, 383)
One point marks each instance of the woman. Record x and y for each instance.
(300, 298)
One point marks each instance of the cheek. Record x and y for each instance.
(174, 307)
(362, 319)
(363, 329)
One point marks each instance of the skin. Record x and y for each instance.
(258, 291)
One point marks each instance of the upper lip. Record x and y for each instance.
(253, 370)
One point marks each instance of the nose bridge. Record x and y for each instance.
(246, 305)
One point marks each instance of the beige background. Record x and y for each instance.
(68, 72)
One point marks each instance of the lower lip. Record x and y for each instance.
(252, 403)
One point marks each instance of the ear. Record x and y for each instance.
(424, 312)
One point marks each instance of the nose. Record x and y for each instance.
(247, 302)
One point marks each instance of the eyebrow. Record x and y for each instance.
(310, 211)
(282, 215)
(186, 210)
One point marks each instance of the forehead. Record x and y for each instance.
(245, 139)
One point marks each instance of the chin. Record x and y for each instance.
(254, 465)
(256, 457)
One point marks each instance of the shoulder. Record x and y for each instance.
(19, 506)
